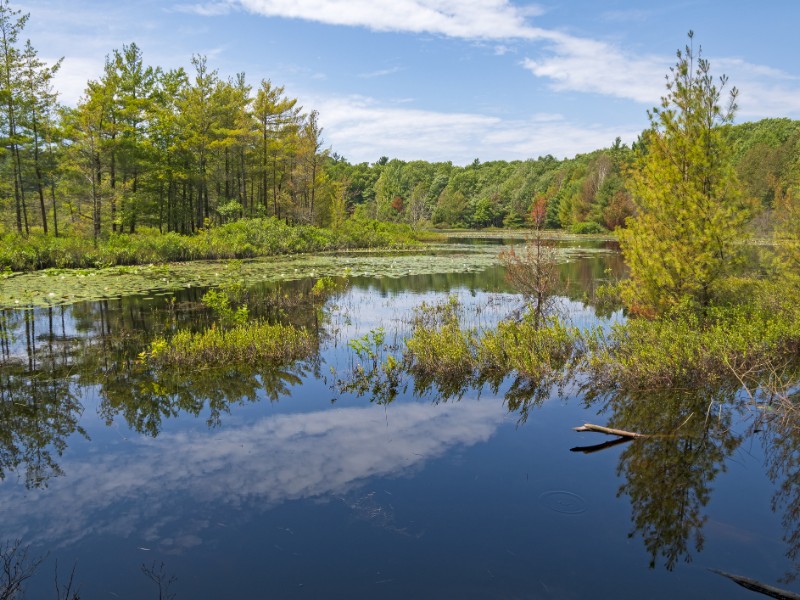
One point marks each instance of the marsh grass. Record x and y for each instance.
(750, 349)
(684, 351)
(246, 238)
(252, 344)
(443, 354)
(439, 344)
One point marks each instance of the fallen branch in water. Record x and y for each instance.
(757, 586)
(625, 435)
(610, 431)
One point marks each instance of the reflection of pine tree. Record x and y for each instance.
(668, 479)
(781, 439)
(39, 411)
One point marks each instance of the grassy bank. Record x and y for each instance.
(241, 239)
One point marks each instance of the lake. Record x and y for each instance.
(290, 483)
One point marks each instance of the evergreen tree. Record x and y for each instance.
(11, 65)
(689, 208)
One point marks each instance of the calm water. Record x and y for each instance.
(277, 484)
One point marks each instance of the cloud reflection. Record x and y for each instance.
(164, 490)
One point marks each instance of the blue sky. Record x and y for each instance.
(446, 79)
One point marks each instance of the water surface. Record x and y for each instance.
(275, 483)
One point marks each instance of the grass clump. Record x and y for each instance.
(438, 344)
(529, 349)
(728, 344)
(252, 344)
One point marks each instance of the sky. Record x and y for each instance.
(446, 80)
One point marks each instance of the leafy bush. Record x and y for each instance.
(587, 227)
(528, 348)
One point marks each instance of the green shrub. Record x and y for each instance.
(245, 238)
(587, 227)
(529, 350)
(253, 344)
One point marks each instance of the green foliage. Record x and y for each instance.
(327, 286)
(787, 231)
(245, 238)
(380, 377)
(438, 344)
(369, 346)
(253, 344)
(685, 351)
(219, 300)
(528, 348)
(690, 210)
(587, 227)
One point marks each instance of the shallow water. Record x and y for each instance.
(276, 484)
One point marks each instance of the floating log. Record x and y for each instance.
(610, 431)
(756, 586)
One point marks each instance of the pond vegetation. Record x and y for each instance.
(256, 411)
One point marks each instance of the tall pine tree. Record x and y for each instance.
(689, 208)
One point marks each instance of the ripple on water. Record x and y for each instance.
(563, 502)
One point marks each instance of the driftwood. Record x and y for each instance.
(610, 431)
(756, 586)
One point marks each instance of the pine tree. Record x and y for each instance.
(12, 23)
(689, 208)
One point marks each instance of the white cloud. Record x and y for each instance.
(763, 91)
(74, 74)
(592, 66)
(471, 19)
(207, 9)
(380, 73)
(586, 65)
(157, 490)
(627, 16)
(361, 129)
(758, 100)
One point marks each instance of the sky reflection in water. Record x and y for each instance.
(419, 498)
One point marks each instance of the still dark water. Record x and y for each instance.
(276, 484)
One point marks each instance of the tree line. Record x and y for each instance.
(146, 146)
(178, 151)
(587, 193)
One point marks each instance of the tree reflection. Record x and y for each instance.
(144, 398)
(39, 407)
(50, 357)
(668, 476)
(781, 438)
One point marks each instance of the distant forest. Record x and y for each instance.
(167, 150)
(584, 194)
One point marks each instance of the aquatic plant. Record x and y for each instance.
(731, 344)
(438, 343)
(530, 349)
(254, 343)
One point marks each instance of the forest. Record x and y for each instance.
(151, 151)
